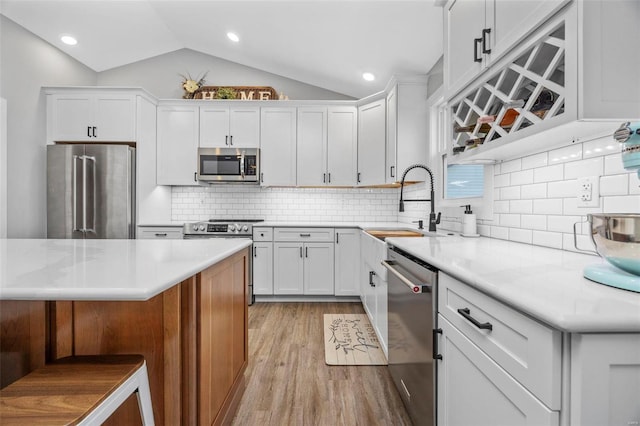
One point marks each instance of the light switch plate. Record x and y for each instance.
(588, 191)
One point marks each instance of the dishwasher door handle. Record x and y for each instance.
(415, 287)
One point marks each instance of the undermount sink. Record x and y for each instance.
(384, 233)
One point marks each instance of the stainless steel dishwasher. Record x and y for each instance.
(412, 287)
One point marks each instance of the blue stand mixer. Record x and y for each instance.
(617, 236)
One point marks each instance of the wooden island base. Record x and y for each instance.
(193, 337)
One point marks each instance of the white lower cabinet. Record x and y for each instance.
(303, 261)
(373, 285)
(347, 262)
(605, 379)
(474, 390)
(160, 232)
(263, 268)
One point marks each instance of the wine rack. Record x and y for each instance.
(528, 90)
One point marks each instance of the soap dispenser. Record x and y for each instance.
(469, 222)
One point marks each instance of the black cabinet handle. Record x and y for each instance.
(231, 140)
(485, 32)
(94, 132)
(329, 177)
(466, 313)
(337, 237)
(371, 275)
(161, 234)
(306, 252)
(255, 253)
(226, 140)
(324, 178)
(300, 251)
(262, 177)
(476, 43)
(436, 355)
(391, 172)
(305, 235)
(195, 176)
(358, 177)
(88, 131)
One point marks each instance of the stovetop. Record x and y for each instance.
(222, 227)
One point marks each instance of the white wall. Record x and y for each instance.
(26, 64)
(160, 75)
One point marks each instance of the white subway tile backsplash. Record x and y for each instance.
(562, 189)
(589, 167)
(566, 154)
(521, 206)
(536, 190)
(510, 193)
(522, 178)
(548, 173)
(562, 223)
(535, 161)
(520, 235)
(547, 206)
(614, 185)
(613, 165)
(547, 239)
(501, 206)
(634, 183)
(502, 181)
(570, 207)
(510, 220)
(622, 204)
(533, 221)
(511, 166)
(500, 232)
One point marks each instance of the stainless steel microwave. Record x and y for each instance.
(236, 165)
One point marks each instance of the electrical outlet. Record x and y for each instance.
(588, 191)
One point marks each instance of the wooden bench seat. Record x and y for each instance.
(76, 390)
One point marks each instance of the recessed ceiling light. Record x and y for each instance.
(67, 39)
(368, 76)
(233, 37)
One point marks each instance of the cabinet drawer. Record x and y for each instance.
(262, 234)
(303, 234)
(167, 233)
(525, 348)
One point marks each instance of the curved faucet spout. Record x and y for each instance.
(433, 220)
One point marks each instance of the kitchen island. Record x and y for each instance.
(180, 303)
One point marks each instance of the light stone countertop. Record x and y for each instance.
(544, 283)
(58, 269)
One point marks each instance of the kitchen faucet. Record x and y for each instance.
(433, 220)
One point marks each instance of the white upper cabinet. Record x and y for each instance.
(479, 32)
(327, 146)
(407, 130)
(278, 147)
(229, 126)
(91, 117)
(560, 79)
(371, 143)
(177, 145)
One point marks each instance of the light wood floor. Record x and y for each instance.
(288, 382)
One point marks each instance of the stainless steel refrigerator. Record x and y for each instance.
(91, 191)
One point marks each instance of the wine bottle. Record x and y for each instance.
(484, 128)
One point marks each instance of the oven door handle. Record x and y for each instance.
(241, 165)
(415, 288)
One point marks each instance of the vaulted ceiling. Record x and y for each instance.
(326, 43)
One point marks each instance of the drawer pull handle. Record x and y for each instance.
(466, 313)
(305, 235)
(161, 234)
(371, 275)
(435, 354)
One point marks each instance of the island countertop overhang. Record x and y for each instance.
(104, 270)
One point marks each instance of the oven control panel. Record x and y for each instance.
(219, 228)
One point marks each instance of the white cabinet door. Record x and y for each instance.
(371, 143)
(244, 127)
(177, 145)
(224, 126)
(262, 268)
(391, 170)
(312, 146)
(214, 126)
(90, 117)
(474, 390)
(342, 146)
(318, 268)
(464, 22)
(347, 262)
(605, 379)
(278, 147)
(288, 268)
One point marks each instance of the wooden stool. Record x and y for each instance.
(77, 390)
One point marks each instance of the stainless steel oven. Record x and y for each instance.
(412, 302)
(225, 228)
(230, 165)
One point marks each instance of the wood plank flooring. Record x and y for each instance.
(288, 382)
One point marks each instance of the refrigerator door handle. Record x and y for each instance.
(85, 159)
(74, 194)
